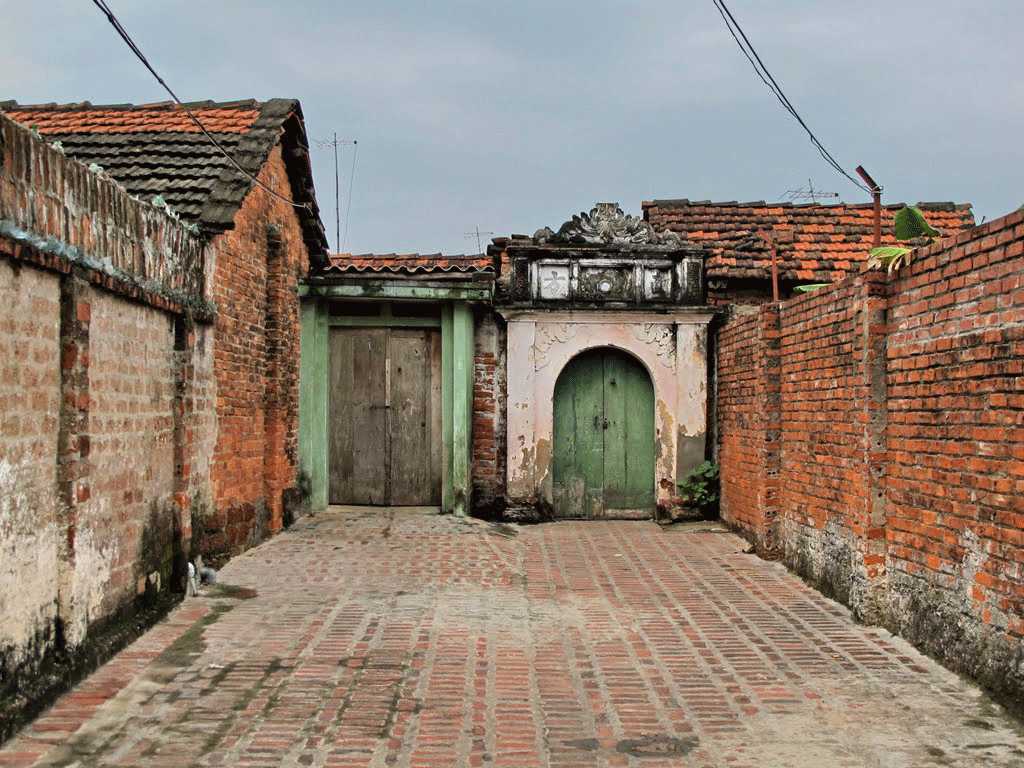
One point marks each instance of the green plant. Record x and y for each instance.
(700, 488)
(910, 225)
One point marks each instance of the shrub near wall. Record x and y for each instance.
(901, 449)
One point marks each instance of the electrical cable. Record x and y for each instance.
(123, 33)
(766, 77)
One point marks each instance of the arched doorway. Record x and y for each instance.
(604, 437)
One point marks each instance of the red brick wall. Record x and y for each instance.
(126, 530)
(900, 463)
(255, 360)
(488, 455)
(955, 470)
(747, 418)
(825, 360)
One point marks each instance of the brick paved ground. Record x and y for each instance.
(382, 639)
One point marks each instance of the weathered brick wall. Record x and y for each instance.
(955, 469)
(30, 530)
(901, 479)
(489, 414)
(128, 528)
(95, 453)
(825, 484)
(257, 267)
(747, 413)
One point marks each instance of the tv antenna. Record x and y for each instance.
(477, 233)
(808, 193)
(334, 142)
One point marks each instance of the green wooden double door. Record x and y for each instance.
(604, 437)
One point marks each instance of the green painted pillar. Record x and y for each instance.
(313, 370)
(447, 355)
(462, 405)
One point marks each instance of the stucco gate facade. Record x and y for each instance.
(604, 280)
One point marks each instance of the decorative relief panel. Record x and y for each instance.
(658, 283)
(661, 336)
(609, 259)
(553, 281)
(547, 336)
(605, 283)
(607, 223)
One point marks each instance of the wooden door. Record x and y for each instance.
(385, 416)
(604, 437)
(358, 427)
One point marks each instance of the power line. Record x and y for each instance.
(766, 77)
(123, 33)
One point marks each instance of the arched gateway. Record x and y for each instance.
(604, 441)
(606, 330)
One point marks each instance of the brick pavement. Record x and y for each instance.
(386, 638)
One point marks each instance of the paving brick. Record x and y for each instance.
(373, 639)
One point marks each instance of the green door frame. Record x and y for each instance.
(456, 383)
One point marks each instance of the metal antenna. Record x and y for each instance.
(477, 233)
(808, 193)
(334, 143)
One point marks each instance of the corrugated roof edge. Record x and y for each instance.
(410, 263)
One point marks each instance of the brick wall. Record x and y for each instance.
(29, 411)
(128, 528)
(747, 423)
(488, 414)
(900, 445)
(825, 483)
(257, 266)
(955, 468)
(96, 290)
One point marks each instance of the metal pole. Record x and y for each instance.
(876, 196)
(337, 198)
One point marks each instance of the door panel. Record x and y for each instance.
(604, 437)
(410, 417)
(579, 438)
(629, 439)
(358, 416)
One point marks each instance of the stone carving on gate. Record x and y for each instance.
(605, 224)
(547, 336)
(661, 337)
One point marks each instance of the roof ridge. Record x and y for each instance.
(683, 202)
(85, 106)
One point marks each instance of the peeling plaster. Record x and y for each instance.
(94, 565)
(671, 347)
(28, 557)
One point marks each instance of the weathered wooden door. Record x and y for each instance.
(604, 437)
(385, 416)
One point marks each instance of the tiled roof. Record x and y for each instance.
(819, 243)
(155, 149)
(410, 263)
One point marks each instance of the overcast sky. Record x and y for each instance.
(511, 116)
